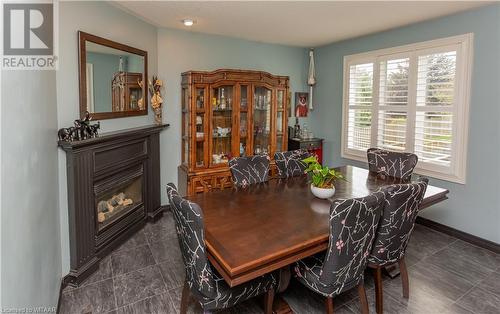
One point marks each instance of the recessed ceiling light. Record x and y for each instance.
(188, 22)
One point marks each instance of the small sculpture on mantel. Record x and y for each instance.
(81, 130)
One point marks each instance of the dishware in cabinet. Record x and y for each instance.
(226, 114)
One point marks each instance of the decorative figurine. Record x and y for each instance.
(156, 99)
(81, 130)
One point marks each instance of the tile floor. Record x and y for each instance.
(145, 275)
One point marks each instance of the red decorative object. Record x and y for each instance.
(313, 145)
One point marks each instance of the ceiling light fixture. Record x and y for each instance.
(188, 22)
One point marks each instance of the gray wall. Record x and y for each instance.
(30, 248)
(473, 207)
(101, 19)
(181, 51)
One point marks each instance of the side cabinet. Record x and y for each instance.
(312, 145)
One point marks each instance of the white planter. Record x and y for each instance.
(322, 193)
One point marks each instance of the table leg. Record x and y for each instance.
(285, 276)
(279, 305)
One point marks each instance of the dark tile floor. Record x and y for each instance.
(145, 275)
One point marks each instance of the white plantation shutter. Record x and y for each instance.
(391, 130)
(360, 103)
(435, 105)
(393, 103)
(412, 98)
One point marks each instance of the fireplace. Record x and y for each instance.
(118, 197)
(113, 189)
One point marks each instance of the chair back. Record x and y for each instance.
(249, 170)
(392, 164)
(189, 225)
(397, 222)
(353, 223)
(290, 163)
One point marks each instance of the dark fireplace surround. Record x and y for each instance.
(113, 189)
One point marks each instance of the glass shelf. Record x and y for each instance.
(200, 126)
(222, 122)
(262, 120)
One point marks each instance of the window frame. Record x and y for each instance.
(463, 44)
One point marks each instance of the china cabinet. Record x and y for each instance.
(127, 92)
(225, 114)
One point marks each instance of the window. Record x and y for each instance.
(413, 98)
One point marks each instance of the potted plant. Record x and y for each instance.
(322, 178)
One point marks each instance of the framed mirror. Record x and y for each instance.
(113, 78)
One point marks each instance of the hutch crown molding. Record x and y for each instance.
(229, 113)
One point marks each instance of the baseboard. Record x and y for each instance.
(158, 213)
(467, 237)
(61, 287)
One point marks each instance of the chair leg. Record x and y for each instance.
(268, 301)
(185, 298)
(379, 293)
(362, 298)
(329, 305)
(404, 278)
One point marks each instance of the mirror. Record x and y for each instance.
(113, 78)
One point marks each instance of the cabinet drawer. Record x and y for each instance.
(310, 145)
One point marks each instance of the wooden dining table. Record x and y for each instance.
(268, 226)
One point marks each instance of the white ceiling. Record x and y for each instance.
(295, 23)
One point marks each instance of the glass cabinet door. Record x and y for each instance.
(280, 120)
(262, 120)
(200, 123)
(186, 125)
(243, 123)
(222, 116)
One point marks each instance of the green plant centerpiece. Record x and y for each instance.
(322, 178)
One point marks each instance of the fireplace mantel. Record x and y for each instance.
(113, 190)
(105, 137)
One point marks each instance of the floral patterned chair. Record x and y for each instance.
(353, 223)
(392, 164)
(290, 163)
(202, 281)
(249, 170)
(394, 231)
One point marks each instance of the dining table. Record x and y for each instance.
(268, 226)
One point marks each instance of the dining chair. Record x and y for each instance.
(393, 233)
(390, 163)
(202, 282)
(353, 223)
(290, 163)
(249, 170)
